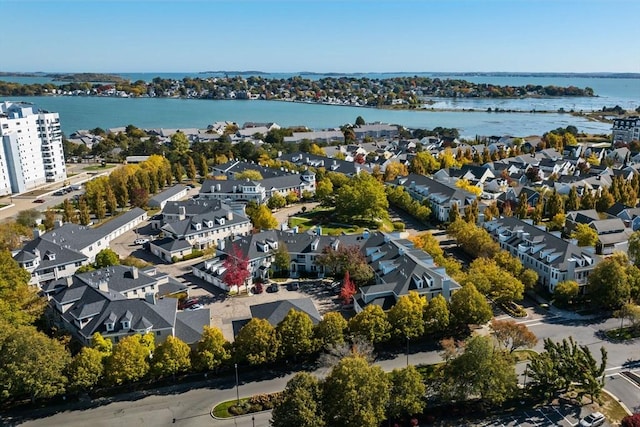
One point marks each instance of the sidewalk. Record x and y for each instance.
(565, 314)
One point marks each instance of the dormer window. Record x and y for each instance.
(209, 223)
(198, 226)
(126, 324)
(50, 256)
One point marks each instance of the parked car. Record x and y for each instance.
(293, 286)
(592, 420)
(187, 303)
(140, 241)
(194, 307)
(59, 193)
(273, 288)
(39, 201)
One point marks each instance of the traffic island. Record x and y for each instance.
(246, 405)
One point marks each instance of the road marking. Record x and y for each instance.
(562, 415)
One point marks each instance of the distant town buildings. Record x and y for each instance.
(31, 151)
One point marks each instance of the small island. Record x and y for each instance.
(405, 92)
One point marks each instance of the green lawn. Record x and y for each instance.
(323, 217)
(221, 410)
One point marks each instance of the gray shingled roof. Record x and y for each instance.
(189, 324)
(78, 237)
(63, 255)
(168, 193)
(119, 278)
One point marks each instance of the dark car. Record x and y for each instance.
(59, 193)
(39, 201)
(187, 303)
(273, 288)
(293, 286)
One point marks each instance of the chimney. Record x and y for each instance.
(103, 285)
(218, 187)
(36, 233)
(134, 273)
(229, 215)
(150, 297)
(182, 213)
(69, 280)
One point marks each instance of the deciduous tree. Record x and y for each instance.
(295, 333)
(512, 336)
(263, 219)
(107, 257)
(257, 342)
(346, 258)
(468, 306)
(408, 392)
(479, 371)
(19, 302)
(355, 393)
(212, 350)
(130, 359)
(329, 331)
(608, 283)
(565, 292)
(301, 403)
(436, 315)
(585, 235)
(348, 289)
(363, 196)
(86, 369)
(277, 201)
(171, 357)
(371, 324)
(250, 174)
(236, 266)
(406, 316)
(31, 364)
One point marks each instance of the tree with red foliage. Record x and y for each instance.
(631, 421)
(348, 289)
(236, 268)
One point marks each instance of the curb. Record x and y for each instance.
(620, 402)
(235, 416)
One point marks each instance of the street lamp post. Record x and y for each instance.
(237, 389)
(526, 370)
(253, 420)
(407, 351)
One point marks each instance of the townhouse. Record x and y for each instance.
(59, 252)
(553, 258)
(120, 301)
(441, 196)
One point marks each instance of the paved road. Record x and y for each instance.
(191, 408)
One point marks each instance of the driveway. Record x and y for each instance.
(225, 309)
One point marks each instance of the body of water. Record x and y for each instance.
(90, 112)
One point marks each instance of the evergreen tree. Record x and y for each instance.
(573, 201)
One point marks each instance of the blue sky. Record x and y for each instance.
(321, 36)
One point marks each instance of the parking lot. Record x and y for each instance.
(553, 415)
(225, 309)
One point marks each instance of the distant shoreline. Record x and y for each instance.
(608, 75)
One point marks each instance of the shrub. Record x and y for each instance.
(195, 254)
(398, 226)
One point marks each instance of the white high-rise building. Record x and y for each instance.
(31, 148)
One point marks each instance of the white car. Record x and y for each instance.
(592, 420)
(194, 307)
(140, 241)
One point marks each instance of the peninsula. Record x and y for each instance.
(407, 92)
